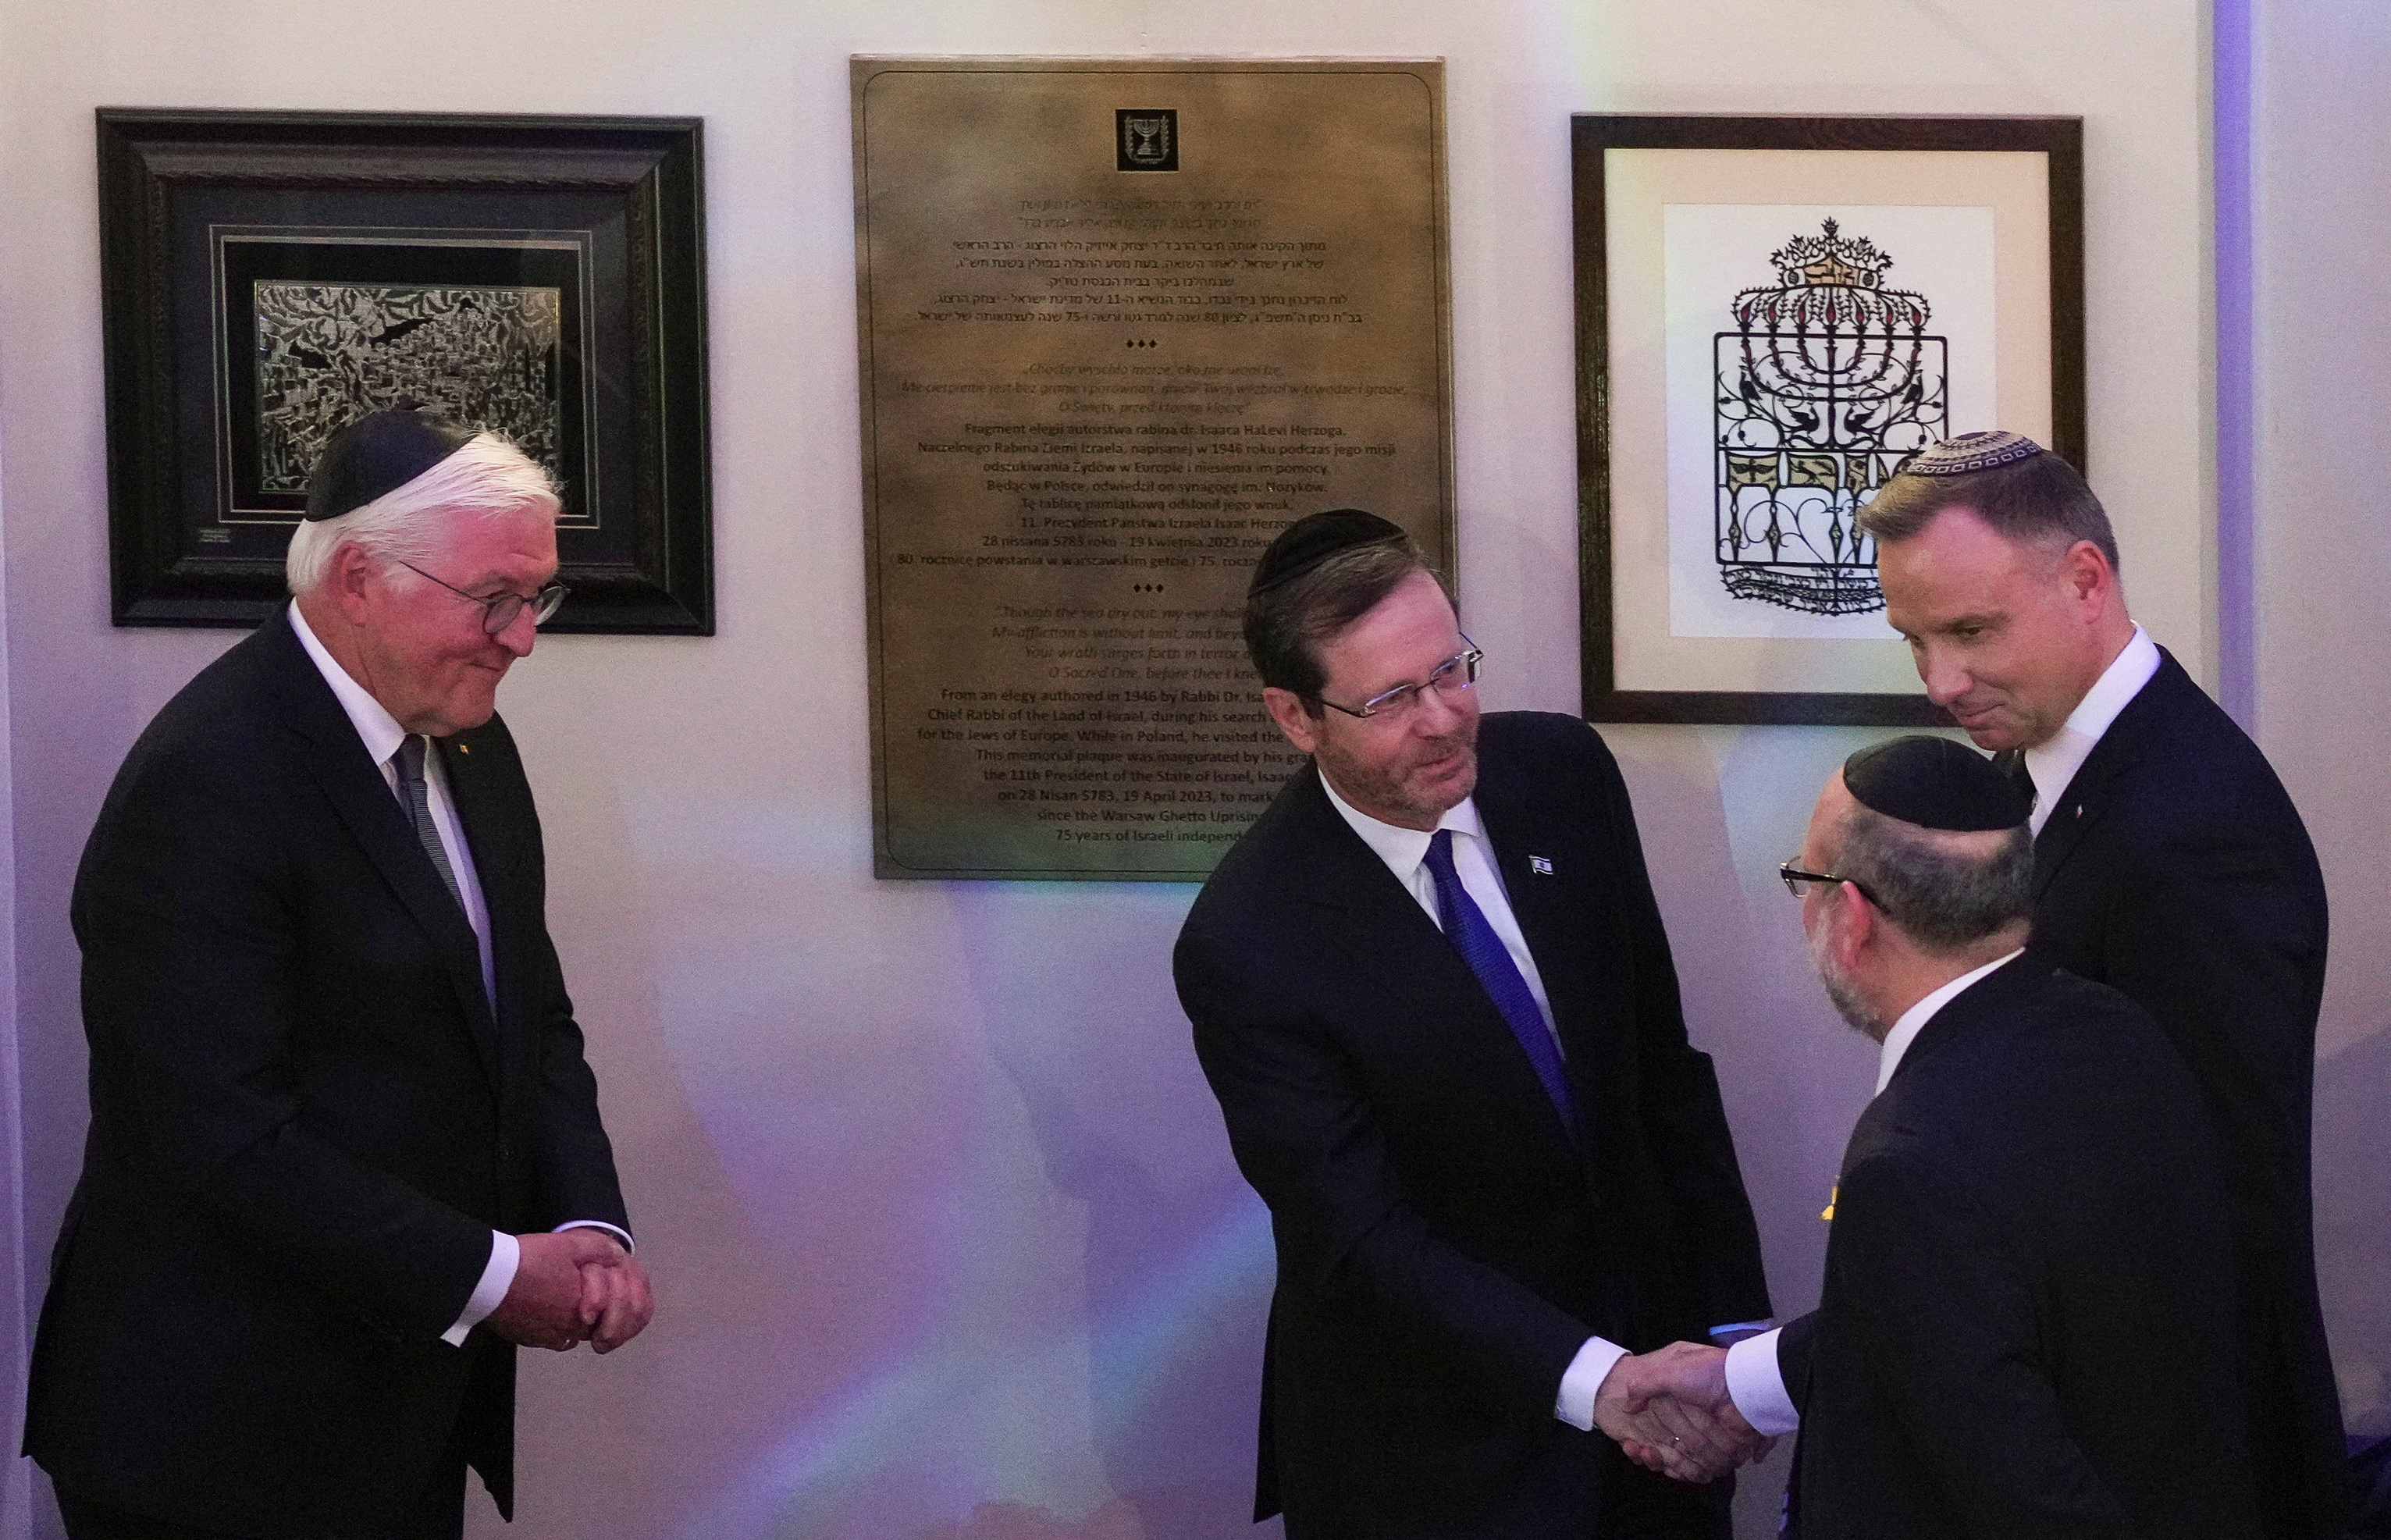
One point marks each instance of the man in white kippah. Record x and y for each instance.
(2168, 863)
(344, 1150)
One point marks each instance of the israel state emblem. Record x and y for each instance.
(1146, 137)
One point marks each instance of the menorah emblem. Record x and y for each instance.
(1148, 139)
(1826, 387)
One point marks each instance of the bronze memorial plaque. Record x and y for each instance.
(1121, 322)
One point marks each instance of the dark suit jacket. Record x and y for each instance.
(2174, 869)
(2026, 1331)
(304, 1119)
(1444, 1246)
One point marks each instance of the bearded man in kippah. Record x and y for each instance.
(1431, 991)
(2169, 863)
(345, 1152)
(2026, 1325)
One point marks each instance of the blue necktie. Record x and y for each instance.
(1466, 927)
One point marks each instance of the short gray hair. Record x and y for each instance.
(1285, 624)
(1946, 891)
(487, 476)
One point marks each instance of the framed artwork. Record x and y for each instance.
(268, 276)
(1774, 315)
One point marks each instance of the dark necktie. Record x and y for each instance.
(1466, 927)
(2012, 763)
(415, 798)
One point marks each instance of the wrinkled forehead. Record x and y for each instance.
(517, 544)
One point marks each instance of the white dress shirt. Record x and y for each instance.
(382, 736)
(2053, 764)
(1405, 853)
(1753, 1381)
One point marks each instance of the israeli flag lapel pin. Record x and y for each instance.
(1541, 865)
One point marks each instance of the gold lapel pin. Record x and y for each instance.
(464, 749)
(1832, 1193)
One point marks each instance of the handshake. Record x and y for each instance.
(1670, 1412)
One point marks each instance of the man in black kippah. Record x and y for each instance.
(1431, 992)
(344, 1152)
(2170, 865)
(2025, 1329)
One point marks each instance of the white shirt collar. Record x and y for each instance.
(2054, 764)
(1914, 1021)
(376, 726)
(1403, 849)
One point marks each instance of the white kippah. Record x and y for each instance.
(1958, 456)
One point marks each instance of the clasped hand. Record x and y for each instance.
(573, 1285)
(1670, 1412)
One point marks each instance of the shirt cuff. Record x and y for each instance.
(1757, 1386)
(623, 1236)
(506, 1255)
(1582, 1378)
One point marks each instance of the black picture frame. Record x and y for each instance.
(267, 276)
(2059, 138)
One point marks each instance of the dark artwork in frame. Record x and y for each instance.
(267, 276)
(1786, 475)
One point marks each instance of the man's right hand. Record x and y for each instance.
(1671, 1411)
(547, 1305)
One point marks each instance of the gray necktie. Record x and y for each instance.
(415, 798)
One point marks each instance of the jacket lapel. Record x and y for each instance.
(1389, 942)
(1542, 907)
(352, 783)
(2086, 798)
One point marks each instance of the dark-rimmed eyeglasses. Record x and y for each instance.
(498, 612)
(1797, 882)
(1456, 673)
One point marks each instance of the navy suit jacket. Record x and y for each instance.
(1445, 1245)
(306, 1120)
(2026, 1331)
(2174, 869)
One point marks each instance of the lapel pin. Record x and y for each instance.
(1541, 865)
(464, 749)
(1832, 1193)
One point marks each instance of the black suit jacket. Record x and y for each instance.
(2025, 1329)
(1444, 1246)
(2174, 869)
(306, 1120)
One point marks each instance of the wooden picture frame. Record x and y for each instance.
(267, 277)
(1722, 582)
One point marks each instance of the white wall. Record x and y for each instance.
(2321, 195)
(937, 1203)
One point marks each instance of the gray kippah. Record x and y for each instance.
(1958, 456)
(1935, 784)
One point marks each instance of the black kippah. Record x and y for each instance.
(380, 452)
(1311, 539)
(1935, 784)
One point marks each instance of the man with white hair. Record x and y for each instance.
(344, 1150)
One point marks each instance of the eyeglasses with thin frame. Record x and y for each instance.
(500, 610)
(1797, 882)
(1456, 673)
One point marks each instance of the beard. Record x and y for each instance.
(1397, 785)
(1857, 1013)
